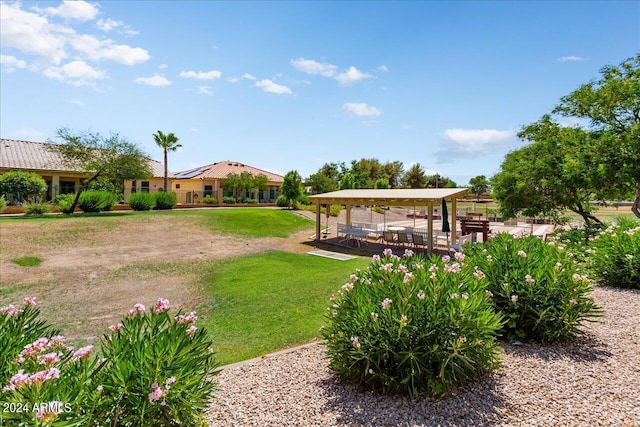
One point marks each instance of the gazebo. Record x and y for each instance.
(428, 197)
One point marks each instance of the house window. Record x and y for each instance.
(144, 186)
(67, 187)
(177, 186)
(208, 190)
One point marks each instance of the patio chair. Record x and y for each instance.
(462, 240)
(404, 238)
(419, 240)
(389, 237)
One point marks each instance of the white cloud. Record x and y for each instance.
(272, 87)
(248, 76)
(352, 75)
(109, 24)
(234, 79)
(11, 63)
(201, 75)
(73, 9)
(310, 66)
(460, 143)
(77, 73)
(383, 68)
(28, 134)
(361, 109)
(77, 102)
(34, 32)
(153, 81)
(162, 66)
(205, 90)
(570, 59)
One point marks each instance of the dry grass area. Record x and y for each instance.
(95, 269)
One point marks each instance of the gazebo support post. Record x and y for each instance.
(348, 209)
(454, 218)
(318, 221)
(430, 228)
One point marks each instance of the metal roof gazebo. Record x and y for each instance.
(392, 197)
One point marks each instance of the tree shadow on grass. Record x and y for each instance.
(477, 404)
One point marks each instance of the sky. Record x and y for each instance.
(294, 84)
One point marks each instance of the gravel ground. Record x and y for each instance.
(594, 381)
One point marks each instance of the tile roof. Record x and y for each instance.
(220, 170)
(30, 155)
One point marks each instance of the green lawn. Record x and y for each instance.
(267, 302)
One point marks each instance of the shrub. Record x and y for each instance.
(159, 369)
(304, 199)
(152, 369)
(335, 210)
(64, 202)
(3, 203)
(282, 201)
(615, 255)
(96, 201)
(142, 201)
(36, 208)
(379, 210)
(536, 286)
(21, 185)
(411, 326)
(229, 200)
(27, 261)
(209, 200)
(164, 200)
(249, 201)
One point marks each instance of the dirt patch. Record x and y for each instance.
(93, 272)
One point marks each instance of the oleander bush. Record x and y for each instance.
(3, 203)
(250, 201)
(536, 286)
(615, 255)
(96, 201)
(282, 201)
(164, 200)
(412, 326)
(209, 200)
(229, 200)
(64, 202)
(152, 369)
(36, 208)
(142, 201)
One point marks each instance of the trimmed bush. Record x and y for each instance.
(3, 203)
(304, 199)
(536, 286)
(142, 201)
(96, 201)
(209, 200)
(36, 208)
(164, 200)
(615, 255)
(282, 201)
(249, 201)
(64, 202)
(412, 326)
(229, 200)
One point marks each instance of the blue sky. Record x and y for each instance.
(294, 85)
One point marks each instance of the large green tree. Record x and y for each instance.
(291, 187)
(415, 177)
(612, 106)
(168, 142)
(113, 158)
(479, 185)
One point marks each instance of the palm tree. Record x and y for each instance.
(168, 142)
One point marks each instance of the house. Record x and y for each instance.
(192, 185)
(189, 186)
(38, 157)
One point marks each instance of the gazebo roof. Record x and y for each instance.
(386, 197)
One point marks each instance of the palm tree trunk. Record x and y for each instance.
(166, 171)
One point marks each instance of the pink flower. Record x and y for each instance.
(10, 311)
(459, 256)
(347, 287)
(156, 393)
(479, 274)
(376, 258)
(29, 301)
(139, 308)
(116, 327)
(48, 359)
(408, 253)
(404, 320)
(529, 279)
(454, 295)
(446, 259)
(42, 376)
(190, 318)
(99, 389)
(386, 303)
(17, 381)
(353, 278)
(489, 293)
(387, 252)
(573, 302)
(465, 295)
(387, 267)
(514, 298)
(83, 352)
(355, 342)
(433, 268)
(169, 381)
(407, 277)
(161, 305)
(421, 294)
(191, 330)
(522, 254)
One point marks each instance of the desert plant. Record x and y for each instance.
(36, 208)
(164, 200)
(412, 325)
(536, 286)
(615, 255)
(159, 369)
(142, 201)
(96, 201)
(209, 200)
